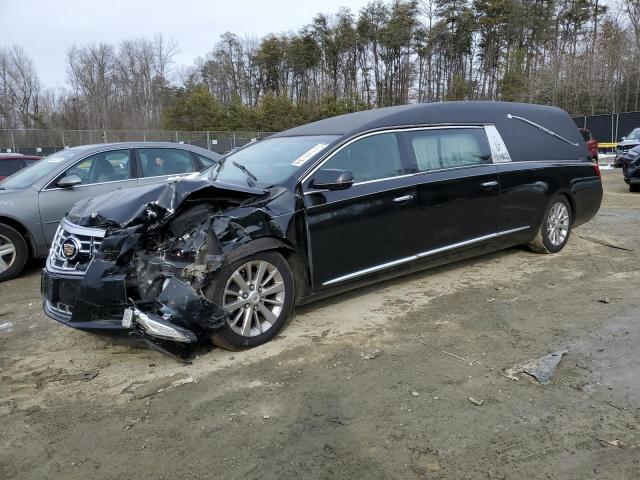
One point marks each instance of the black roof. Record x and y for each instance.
(524, 141)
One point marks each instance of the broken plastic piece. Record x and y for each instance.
(161, 328)
(542, 368)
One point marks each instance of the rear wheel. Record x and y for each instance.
(13, 252)
(555, 228)
(257, 293)
(634, 187)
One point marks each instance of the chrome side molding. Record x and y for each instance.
(428, 253)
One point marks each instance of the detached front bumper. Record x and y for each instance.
(63, 301)
(179, 314)
(632, 173)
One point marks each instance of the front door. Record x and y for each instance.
(100, 173)
(367, 226)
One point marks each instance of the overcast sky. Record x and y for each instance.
(47, 28)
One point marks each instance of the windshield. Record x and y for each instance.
(634, 135)
(34, 172)
(270, 161)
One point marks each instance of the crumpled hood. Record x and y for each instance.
(152, 204)
(625, 143)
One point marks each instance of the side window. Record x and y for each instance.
(156, 162)
(448, 148)
(205, 161)
(103, 167)
(371, 158)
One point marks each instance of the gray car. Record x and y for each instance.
(34, 200)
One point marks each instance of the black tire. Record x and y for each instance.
(541, 242)
(634, 187)
(17, 260)
(226, 337)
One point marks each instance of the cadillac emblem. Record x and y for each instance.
(71, 248)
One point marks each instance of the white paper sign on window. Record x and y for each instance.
(302, 159)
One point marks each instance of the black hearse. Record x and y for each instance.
(317, 210)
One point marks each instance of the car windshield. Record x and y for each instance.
(270, 161)
(34, 172)
(634, 135)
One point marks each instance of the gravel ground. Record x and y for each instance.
(371, 384)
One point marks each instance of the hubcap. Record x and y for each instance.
(558, 224)
(7, 254)
(254, 298)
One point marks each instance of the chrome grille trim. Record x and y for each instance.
(61, 308)
(90, 240)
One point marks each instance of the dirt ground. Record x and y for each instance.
(371, 384)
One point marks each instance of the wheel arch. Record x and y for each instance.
(22, 230)
(568, 194)
(291, 255)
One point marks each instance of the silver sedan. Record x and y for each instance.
(34, 200)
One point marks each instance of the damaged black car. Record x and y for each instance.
(630, 162)
(317, 210)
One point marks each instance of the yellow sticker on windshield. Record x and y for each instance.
(308, 154)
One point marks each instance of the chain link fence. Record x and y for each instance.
(46, 142)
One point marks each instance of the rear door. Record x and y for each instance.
(456, 186)
(157, 165)
(100, 173)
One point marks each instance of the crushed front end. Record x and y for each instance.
(140, 260)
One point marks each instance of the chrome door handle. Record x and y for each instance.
(403, 198)
(492, 183)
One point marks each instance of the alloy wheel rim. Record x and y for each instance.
(7, 253)
(254, 298)
(558, 224)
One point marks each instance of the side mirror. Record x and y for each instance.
(331, 179)
(624, 138)
(69, 181)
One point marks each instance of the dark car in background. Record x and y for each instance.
(34, 200)
(11, 163)
(630, 141)
(318, 210)
(592, 143)
(630, 163)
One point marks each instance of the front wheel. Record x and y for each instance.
(257, 293)
(633, 187)
(13, 252)
(555, 228)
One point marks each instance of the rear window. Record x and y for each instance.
(9, 167)
(436, 149)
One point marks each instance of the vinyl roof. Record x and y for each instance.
(524, 141)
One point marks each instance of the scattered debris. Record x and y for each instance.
(614, 405)
(266, 417)
(604, 300)
(432, 467)
(419, 339)
(415, 394)
(6, 326)
(605, 243)
(132, 387)
(475, 401)
(542, 368)
(371, 356)
(469, 362)
(613, 443)
(146, 389)
(495, 475)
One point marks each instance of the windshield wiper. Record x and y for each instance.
(245, 170)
